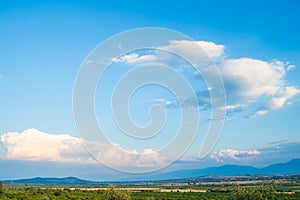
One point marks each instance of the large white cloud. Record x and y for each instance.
(256, 83)
(253, 87)
(35, 145)
(250, 78)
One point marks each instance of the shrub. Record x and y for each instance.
(1, 185)
(114, 194)
(259, 193)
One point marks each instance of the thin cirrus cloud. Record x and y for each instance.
(253, 87)
(34, 145)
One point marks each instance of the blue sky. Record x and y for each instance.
(43, 45)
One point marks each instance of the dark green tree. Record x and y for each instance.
(1, 187)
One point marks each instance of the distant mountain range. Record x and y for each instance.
(291, 167)
(52, 181)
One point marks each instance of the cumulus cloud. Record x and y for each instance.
(123, 157)
(283, 94)
(190, 50)
(249, 78)
(275, 152)
(35, 145)
(253, 87)
(258, 84)
(229, 154)
(184, 48)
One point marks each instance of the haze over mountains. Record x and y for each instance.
(291, 167)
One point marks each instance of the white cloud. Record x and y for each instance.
(32, 144)
(186, 49)
(257, 85)
(121, 157)
(35, 145)
(167, 103)
(250, 78)
(261, 112)
(135, 59)
(275, 152)
(253, 87)
(290, 67)
(283, 94)
(230, 107)
(190, 50)
(228, 154)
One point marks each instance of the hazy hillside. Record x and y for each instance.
(291, 167)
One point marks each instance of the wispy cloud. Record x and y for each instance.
(290, 67)
(135, 58)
